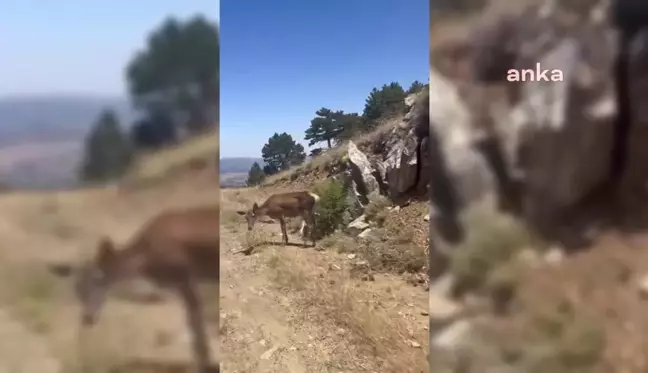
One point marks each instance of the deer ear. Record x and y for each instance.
(106, 251)
(241, 212)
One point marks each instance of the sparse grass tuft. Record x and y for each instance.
(492, 242)
(564, 342)
(340, 242)
(257, 237)
(368, 324)
(376, 210)
(393, 252)
(156, 165)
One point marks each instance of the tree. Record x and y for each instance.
(388, 100)
(325, 127)
(416, 86)
(155, 130)
(315, 152)
(352, 124)
(179, 70)
(282, 152)
(108, 151)
(256, 175)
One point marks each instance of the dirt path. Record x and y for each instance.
(295, 309)
(255, 322)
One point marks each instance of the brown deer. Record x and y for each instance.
(286, 205)
(174, 250)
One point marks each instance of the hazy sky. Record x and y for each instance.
(282, 60)
(73, 46)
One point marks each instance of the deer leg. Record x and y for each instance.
(301, 228)
(309, 219)
(196, 323)
(282, 222)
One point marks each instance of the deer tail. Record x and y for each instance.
(315, 196)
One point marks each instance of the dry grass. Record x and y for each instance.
(199, 150)
(493, 241)
(39, 228)
(330, 157)
(336, 297)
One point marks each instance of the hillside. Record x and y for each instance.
(56, 231)
(41, 137)
(356, 301)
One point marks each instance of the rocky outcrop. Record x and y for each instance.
(395, 164)
(405, 165)
(548, 150)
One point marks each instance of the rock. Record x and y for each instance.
(401, 167)
(415, 344)
(366, 234)
(554, 138)
(454, 336)
(554, 256)
(361, 171)
(426, 217)
(354, 199)
(357, 226)
(410, 100)
(442, 311)
(268, 354)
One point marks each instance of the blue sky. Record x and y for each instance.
(79, 47)
(282, 60)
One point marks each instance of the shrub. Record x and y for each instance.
(493, 241)
(377, 205)
(331, 207)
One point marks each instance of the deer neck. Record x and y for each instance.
(261, 211)
(130, 263)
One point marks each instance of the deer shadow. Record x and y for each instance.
(251, 248)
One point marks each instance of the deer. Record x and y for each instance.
(282, 205)
(174, 250)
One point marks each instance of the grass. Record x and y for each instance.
(370, 326)
(493, 241)
(331, 157)
(155, 165)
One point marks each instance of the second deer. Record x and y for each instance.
(286, 205)
(174, 250)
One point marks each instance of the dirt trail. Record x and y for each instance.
(292, 324)
(257, 332)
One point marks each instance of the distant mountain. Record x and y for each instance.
(238, 164)
(54, 118)
(234, 171)
(41, 137)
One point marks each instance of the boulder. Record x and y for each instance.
(361, 171)
(357, 226)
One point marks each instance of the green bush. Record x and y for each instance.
(492, 242)
(331, 207)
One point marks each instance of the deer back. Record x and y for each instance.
(288, 204)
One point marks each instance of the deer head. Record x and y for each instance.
(250, 215)
(94, 279)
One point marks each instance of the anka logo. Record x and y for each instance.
(537, 75)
